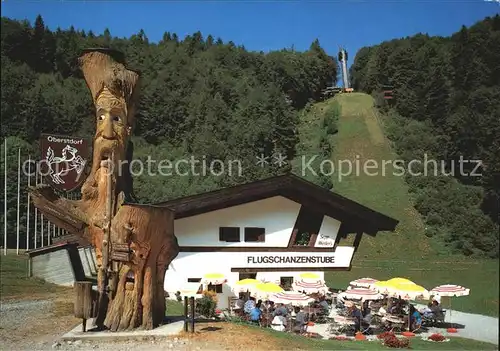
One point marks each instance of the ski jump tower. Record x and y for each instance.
(343, 63)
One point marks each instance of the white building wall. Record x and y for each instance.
(277, 215)
(197, 264)
(328, 231)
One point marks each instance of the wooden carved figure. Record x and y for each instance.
(134, 243)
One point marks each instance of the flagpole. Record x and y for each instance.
(41, 217)
(36, 209)
(5, 201)
(28, 206)
(18, 197)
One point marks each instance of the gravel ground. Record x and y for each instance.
(33, 325)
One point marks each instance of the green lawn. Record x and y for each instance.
(174, 308)
(407, 252)
(14, 281)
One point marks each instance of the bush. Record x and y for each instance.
(437, 337)
(207, 304)
(394, 342)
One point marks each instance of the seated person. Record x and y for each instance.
(382, 311)
(367, 319)
(324, 305)
(279, 323)
(427, 311)
(396, 308)
(437, 311)
(249, 305)
(256, 313)
(280, 310)
(240, 303)
(415, 318)
(300, 320)
(355, 312)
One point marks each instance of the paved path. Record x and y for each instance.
(475, 326)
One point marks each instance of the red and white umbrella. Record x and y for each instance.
(361, 294)
(450, 290)
(291, 298)
(363, 282)
(310, 287)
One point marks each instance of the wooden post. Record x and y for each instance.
(186, 313)
(30, 267)
(83, 302)
(192, 313)
(104, 271)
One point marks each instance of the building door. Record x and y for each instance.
(248, 276)
(286, 283)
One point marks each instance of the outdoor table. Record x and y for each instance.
(344, 320)
(396, 320)
(312, 312)
(344, 323)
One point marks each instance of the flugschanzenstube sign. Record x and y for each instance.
(341, 257)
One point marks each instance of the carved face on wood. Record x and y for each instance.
(114, 91)
(112, 129)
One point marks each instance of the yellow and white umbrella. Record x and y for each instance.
(310, 276)
(401, 288)
(263, 291)
(213, 279)
(244, 285)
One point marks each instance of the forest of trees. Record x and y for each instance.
(447, 105)
(200, 97)
(212, 100)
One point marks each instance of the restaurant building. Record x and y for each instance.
(272, 230)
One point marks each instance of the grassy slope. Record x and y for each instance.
(407, 252)
(15, 284)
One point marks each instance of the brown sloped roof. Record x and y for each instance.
(352, 214)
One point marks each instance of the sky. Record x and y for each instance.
(262, 25)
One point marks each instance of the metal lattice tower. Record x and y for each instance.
(343, 64)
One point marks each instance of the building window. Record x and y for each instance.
(248, 276)
(308, 224)
(286, 283)
(255, 234)
(194, 280)
(229, 234)
(215, 288)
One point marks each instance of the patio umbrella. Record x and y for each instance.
(401, 288)
(213, 278)
(291, 298)
(263, 291)
(450, 290)
(244, 285)
(363, 282)
(310, 276)
(310, 286)
(361, 293)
